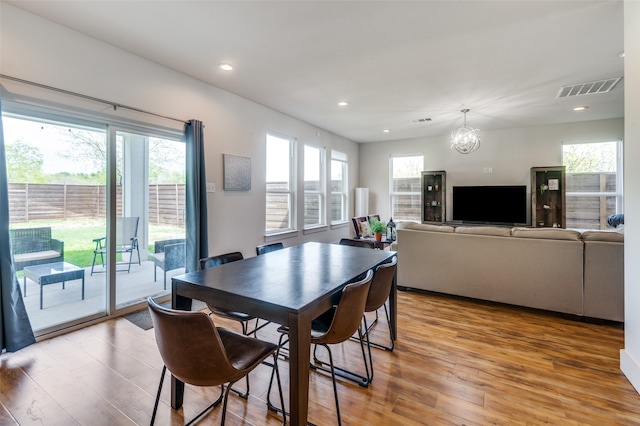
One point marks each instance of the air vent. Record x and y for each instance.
(591, 88)
(421, 120)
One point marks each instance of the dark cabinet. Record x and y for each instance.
(433, 196)
(548, 197)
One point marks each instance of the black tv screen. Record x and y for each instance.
(490, 204)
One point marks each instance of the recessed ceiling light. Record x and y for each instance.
(580, 108)
(386, 130)
(225, 67)
(343, 103)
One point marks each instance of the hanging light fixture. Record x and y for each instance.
(465, 139)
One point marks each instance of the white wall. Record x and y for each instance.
(630, 355)
(509, 153)
(41, 51)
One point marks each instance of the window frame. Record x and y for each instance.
(619, 191)
(393, 193)
(290, 191)
(339, 157)
(320, 192)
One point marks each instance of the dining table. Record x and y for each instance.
(289, 287)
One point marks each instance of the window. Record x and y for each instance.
(594, 183)
(313, 186)
(339, 193)
(279, 203)
(405, 187)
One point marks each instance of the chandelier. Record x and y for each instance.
(465, 139)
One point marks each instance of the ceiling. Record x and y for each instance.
(397, 63)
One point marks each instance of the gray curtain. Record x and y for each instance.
(196, 196)
(15, 328)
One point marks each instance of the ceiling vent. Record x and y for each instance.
(421, 120)
(591, 88)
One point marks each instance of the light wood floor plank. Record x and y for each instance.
(456, 362)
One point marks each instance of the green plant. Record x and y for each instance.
(377, 227)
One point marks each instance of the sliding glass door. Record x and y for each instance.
(97, 216)
(57, 208)
(150, 246)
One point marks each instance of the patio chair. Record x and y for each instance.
(126, 242)
(168, 255)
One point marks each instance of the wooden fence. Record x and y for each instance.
(33, 202)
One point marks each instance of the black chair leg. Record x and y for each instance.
(391, 335)
(343, 372)
(155, 406)
(335, 386)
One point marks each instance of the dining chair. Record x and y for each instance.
(267, 248)
(198, 353)
(357, 243)
(376, 299)
(241, 317)
(335, 326)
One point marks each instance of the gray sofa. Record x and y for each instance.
(561, 270)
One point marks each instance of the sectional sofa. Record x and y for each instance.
(569, 271)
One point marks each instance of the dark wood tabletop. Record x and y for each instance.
(290, 287)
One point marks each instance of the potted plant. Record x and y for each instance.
(378, 228)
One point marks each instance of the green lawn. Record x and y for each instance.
(78, 236)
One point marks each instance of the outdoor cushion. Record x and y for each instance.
(38, 255)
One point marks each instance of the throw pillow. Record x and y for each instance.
(365, 230)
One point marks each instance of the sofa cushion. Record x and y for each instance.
(547, 233)
(608, 236)
(499, 231)
(427, 227)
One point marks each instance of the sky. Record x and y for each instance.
(47, 138)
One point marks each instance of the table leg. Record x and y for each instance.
(83, 286)
(40, 294)
(24, 286)
(177, 386)
(299, 352)
(393, 306)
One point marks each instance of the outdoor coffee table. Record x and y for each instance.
(51, 273)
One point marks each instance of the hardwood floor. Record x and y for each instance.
(456, 362)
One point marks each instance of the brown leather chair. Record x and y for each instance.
(267, 248)
(377, 297)
(241, 317)
(198, 353)
(357, 243)
(336, 326)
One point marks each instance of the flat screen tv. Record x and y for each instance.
(502, 205)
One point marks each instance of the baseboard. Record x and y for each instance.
(630, 368)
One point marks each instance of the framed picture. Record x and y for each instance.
(554, 184)
(237, 173)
